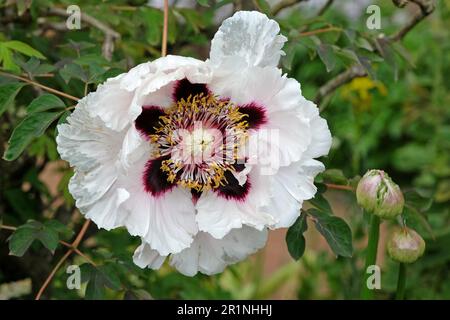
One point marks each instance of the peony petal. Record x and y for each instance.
(166, 221)
(146, 257)
(210, 256)
(290, 186)
(249, 36)
(285, 132)
(111, 104)
(320, 136)
(157, 87)
(92, 148)
(218, 214)
(85, 142)
(206, 254)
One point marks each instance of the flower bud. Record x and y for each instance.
(405, 245)
(377, 193)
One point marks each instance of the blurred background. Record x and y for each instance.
(396, 118)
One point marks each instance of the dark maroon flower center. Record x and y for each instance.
(192, 138)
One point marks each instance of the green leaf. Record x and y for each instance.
(8, 93)
(31, 127)
(22, 47)
(109, 272)
(387, 52)
(45, 102)
(335, 176)
(414, 199)
(73, 70)
(89, 59)
(194, 19)
(99, 278)
(6, 57)
(295, 239)
(321, 204)
(34, 67)
(59, 227)
(347, 54)
(326, 54)
(44, 146)
(49, 238)
(20, 241)
(152, 21)
(364, 44)
(110, 73)
(415, 207)
(22, 203)
(335, 230)
(25, 235)
(29, 66)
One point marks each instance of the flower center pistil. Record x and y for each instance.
(201, 137)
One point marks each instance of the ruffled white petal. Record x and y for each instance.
(166, 222)
(249, 36)
(320, 134)
(289, 188)
(156, 87)
(210, 256)
(134, 147)
(287, 132)
(146, 257)
(92, 148)
(85, 142)
(111, 103)
(119, 100)
(207, 254)
(217, 215)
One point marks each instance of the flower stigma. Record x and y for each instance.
(200, 136)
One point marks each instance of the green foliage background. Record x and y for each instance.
(396, 120)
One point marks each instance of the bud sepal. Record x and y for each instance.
(378, 194)
(405, 245)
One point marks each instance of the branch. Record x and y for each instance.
(341, 79)
(339, 187)
(110, 34)
(318, 31)
(426, 8)
(37, 84)
(5, 227)
(80, 235)
(52, 274)
(165, 27)
(73, 248)
(283, 5)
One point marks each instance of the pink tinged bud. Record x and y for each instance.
(377, 193)
(405, 245)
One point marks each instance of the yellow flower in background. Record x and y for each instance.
(360, 92)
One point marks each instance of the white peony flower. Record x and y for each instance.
(198, 158)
